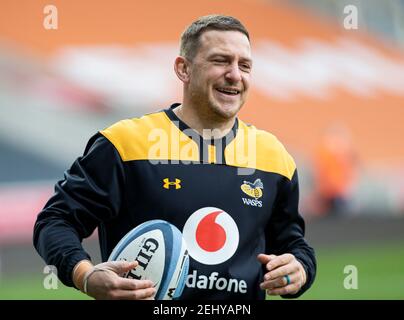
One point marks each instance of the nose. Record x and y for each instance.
(233, 74)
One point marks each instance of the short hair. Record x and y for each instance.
(190, 37)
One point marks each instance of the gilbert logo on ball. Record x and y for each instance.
(211, 235)
(163, 258)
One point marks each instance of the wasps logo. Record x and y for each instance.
(254, 190)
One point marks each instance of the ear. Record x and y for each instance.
(181, 67)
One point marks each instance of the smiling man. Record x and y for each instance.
(243, 230)
(215, 69)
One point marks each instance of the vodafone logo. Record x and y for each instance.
(211, 235)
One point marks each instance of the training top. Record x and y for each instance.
(232, 198)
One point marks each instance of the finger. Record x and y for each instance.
(132, 284)
(133, 294)
(149, 298)
(275, 283)
(123, 266)
(280, 281)
(265, 258)
(287, 269)
(289, 289)
(279, 261)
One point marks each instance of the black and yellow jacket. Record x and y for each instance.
(233, 198)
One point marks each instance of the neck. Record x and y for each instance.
(208, 126)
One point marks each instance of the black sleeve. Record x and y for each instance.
(89, 193)
(286, 231)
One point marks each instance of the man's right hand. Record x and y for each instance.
(106, 282)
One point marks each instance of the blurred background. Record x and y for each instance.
(328, 81)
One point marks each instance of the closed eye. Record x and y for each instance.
(219, 61)
(245, 67)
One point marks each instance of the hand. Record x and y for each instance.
(106, 282)
(275, 280)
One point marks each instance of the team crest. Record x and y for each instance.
(254, 190)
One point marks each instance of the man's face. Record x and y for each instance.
(220, 73)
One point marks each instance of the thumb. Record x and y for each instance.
(123, 266)
(265, 258)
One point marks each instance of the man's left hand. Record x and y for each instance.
(285, 275)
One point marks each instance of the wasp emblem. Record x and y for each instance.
(254, 190)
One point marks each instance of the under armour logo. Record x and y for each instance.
(168, 183)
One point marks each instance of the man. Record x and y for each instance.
(187, 165)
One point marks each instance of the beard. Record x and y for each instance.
(212, 108)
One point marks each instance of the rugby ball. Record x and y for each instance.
(163, 258)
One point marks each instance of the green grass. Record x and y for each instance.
(31, 287)
(380, 271)
(380, 276)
